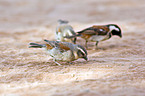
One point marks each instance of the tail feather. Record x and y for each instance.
(46, 40)
(74, 36)
(35, 45)
(51, 43)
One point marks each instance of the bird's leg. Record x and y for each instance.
(86, 44)
(97, 43)
(75, 40)
(56, 62)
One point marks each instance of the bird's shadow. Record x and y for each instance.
(106, 47)
(51, 63)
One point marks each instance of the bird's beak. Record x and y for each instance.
(120, 35)
(85, 58)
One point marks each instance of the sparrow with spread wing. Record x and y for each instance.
(62, 51)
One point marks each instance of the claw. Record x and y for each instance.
(56, 62)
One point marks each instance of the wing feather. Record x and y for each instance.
(95, 30)
(63, 46)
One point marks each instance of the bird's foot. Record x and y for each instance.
(57, 63)
(97, 48)
(70, 62)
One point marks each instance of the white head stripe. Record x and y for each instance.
(81, 50)
(113, 28)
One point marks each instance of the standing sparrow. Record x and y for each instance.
(98, 33)
(64, 29)
(62, 51)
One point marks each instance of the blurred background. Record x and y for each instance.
(117, 69)
(32, 13)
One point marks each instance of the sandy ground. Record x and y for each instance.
(117, 69)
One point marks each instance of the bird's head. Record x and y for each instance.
(115, 29)
(62, 21)
(81, 52)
